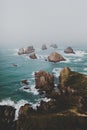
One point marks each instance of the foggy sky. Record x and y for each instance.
(43, 21)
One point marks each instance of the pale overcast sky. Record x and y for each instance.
(43, 21)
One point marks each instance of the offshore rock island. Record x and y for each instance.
(66, 109)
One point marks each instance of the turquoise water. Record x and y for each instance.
(10, 76)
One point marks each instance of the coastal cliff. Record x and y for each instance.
(66, 109)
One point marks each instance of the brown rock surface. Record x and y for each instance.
(33, 56)
(69, 50)
(44, 47)
(7, 115)
(25, 110)
(44, 81)
(27, 50)
(24, 81)
(21, 51)
(55, 57)
(54, 46)
(73, 80)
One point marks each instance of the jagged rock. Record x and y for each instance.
(27, 50)
(47, 107)
(69, 50)
(7, 115)
(44, 81)
(67, 120)
(55, 57)
(26, 87)
(21, 51)
(33, 56)
(25, 110)
(44, 47)
(74, 80)
(24, 81)
(54, 46)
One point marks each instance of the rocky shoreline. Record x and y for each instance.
(66, 110)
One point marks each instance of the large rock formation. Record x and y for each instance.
(69, 50)
(67, 120)
(55, 57)
(7, 115)
(44, 81)
(21, 51)
(33, 56)
(44, 47)
(25, 110)
(54, 46)
(73, 80)
(68, 111)
(27, 50)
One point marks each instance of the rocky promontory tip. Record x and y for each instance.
(27, 50)
(69, 50)
(69, 107)
(73, 79)
(55, 57)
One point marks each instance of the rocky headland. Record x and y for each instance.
(66, 109)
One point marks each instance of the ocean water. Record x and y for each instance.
(12, 91)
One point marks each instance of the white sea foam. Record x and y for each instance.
(20, 103)
(80, 53)
(41, 56)
(34, 105)
(15, 52)
(30, 89)
(77, 60)
(85, 69)
(67, 60)
(56, 71)
(17, 105)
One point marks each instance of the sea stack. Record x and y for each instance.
(44, 47)
(33, 56)
(21, 51)
(44, 81)
(54, 46)
(55, 57)
(27, 50)
(69, 50)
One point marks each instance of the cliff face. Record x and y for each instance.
(7, 115)
(73, 80)
(66, 110)
(44, 81)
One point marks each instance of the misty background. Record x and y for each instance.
(24, 22)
